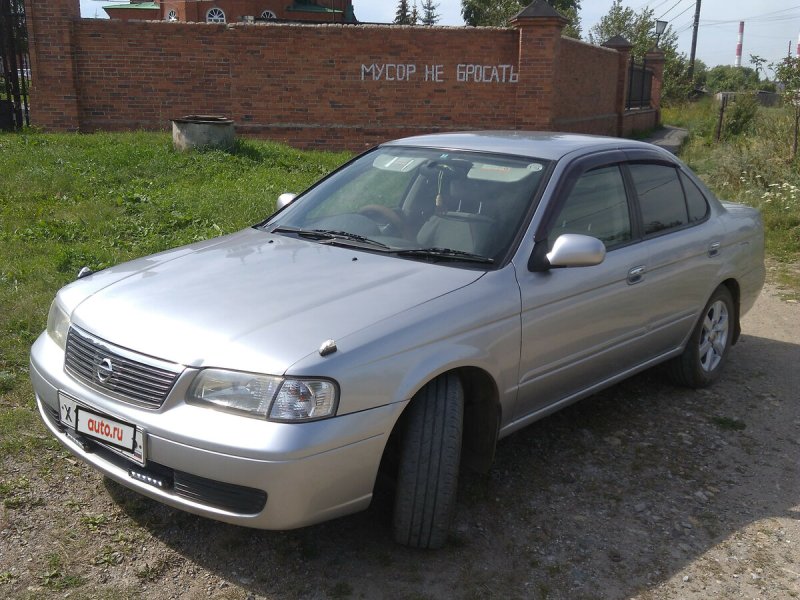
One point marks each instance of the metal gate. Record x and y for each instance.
(15, 66)
(640, 84)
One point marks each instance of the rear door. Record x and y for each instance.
(683, 245)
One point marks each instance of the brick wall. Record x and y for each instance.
(582, 104)
(50, 39)
(639, 120)
(327, 86)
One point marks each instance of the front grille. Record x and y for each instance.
(121, 373)
(227, 496)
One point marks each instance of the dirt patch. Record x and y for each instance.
(645, 491)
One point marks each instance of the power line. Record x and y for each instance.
(685, 10)
(670, 9)
(655, 6)
(763, 17)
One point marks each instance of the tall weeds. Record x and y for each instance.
(752, 164)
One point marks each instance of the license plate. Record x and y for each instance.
(118, 436)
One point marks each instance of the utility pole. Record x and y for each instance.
(694, 39)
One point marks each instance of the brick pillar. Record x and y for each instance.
(655, 61)
(623, 47)
(54, 96)
(539, 27)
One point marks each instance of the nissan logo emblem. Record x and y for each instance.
(104, 370)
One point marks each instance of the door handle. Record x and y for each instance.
(713, 248)
(636, 274)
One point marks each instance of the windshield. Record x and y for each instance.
(419, 203)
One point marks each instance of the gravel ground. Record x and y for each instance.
(643, 491)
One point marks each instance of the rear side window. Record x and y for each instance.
(596, 206)
(695, 201)
(661, 197)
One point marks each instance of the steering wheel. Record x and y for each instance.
(388, 220)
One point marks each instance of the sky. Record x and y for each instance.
(770, 25)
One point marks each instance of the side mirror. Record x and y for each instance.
(576, 250)
(284, 199)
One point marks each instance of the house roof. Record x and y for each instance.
(315, 8)
(137, 6)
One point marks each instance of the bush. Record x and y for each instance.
(740, 115)
(755, 169)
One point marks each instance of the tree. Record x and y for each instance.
(787, 72)
(429, 15)
(498, 12)
(639, 28)
(725, 78)
(758, 63)
(403, 14)
(414, 14)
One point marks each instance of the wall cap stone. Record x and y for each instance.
(618, 42)
(539, 10)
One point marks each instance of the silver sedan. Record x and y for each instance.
(432, 296)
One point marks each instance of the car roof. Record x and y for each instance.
(534, 144)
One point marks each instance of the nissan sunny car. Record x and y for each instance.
(428, 298)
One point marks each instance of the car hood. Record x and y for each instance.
(253, 301)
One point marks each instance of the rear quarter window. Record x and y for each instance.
(695, 201)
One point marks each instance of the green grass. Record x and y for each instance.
(55, 578)
(68, 201)
(753, 167)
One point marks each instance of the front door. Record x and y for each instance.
(583, 325)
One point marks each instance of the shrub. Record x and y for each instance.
(741, 115)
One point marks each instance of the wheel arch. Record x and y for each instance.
(482, 418)
(733, 288)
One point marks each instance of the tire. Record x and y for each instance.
(707, 349)
(430, 453)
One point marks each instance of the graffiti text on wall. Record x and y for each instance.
(463, 73)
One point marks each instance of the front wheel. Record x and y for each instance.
(707, 349)
(430, 454)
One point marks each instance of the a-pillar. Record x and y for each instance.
(655, 62)
(54, 97)
(623, 48)
(539, 26)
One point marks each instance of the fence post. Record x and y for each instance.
(723, 103)
(539, 26)
(54, 91)
(623, 48)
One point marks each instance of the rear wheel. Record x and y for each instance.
(707, 350)
(430, 454)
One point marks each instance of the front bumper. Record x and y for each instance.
(219, 465)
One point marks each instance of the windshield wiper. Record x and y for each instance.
(328, 234)
(444, 254)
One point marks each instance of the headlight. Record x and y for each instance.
(58, 324)
(265, 396)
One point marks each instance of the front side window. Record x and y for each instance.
(596, 206)
(660, 196)
(215, 15)
(413, 200)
